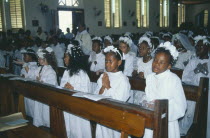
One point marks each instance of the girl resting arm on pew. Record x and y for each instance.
(114, 84)
(75, 77)
(45, 74)
(163, 84)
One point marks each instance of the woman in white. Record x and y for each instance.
(185, 49)
(114, 84)
(128, 57)
(97, 58)
(45, 74)
(163, 84)
(196, 68)
(144, 64)
(29, 71)
(75, 77)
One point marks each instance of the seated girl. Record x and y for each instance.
(114, 84)
(75, 78)
(107, 41)
(28, 71)
(196, 68)
(144, 63)
(46, 73)
(97, 58)
(128, 57)
(185, 49)
(163, 84)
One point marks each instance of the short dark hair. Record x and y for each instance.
(172, 61)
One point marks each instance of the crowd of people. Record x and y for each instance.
(114, 58)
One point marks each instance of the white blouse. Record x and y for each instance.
(146, 68)
(129, 63)
(100, 59)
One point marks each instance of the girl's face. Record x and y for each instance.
(42, 61)
(107, 43)
(161, 63)
(201, 49)
(95, 47)
(144, 50)
(27, 58)
(124, 48)
(66, 59)
(112, 63)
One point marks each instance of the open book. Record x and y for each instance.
(12, 121)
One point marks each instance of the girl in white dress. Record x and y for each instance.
(144, 65)
(75, 77)
(128, 57)
(29, 71)
(196, 68)
(46, 73)
(163, 84)
(97, 58)
(107, 41)
(114, 84)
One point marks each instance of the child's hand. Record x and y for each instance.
(68, 86)
(134, 74)
(105, 81)
(141, 75)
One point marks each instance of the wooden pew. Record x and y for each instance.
(126, 118)
(198, 94)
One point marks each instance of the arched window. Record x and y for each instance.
(164, 13)
(73, 3)
(206, 16)
(181, 14)
(142, 13)
(112, 11)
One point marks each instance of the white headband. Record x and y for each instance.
(113, 49)
(126, 40)
(97, 38)
(172, 49)
(68, 50)
(41, 54)
(24, 51)
(148, 40)
(108, 38)
(199, 37)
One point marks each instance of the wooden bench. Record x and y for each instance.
(198, 94)
(126, 118)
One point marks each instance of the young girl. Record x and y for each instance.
(28, 71)
(114, 84)
(144, 63)
(185, 49)
(46, 73)
(97, 58)
(75, 77)
(196, 68)
(129, 57)
(163, 84)
(107, 41)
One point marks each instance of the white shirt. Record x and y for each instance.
(129, 63)
(100, 59)
(31, 72)
(167, 85)
(146, 68)
(59, 54)
(86, 42)
(183, 57)
(120, 89)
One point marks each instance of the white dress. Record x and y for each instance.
(129, 63)
(183, 57)
(167, 85)
(29, 103)
(41, 111)
(77, 127)
(59, 54)
(191, 78)
(100, 59)
(120, 90)
(86, 42)
(146, 68)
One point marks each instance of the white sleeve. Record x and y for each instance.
(101, 63)
(129, 66)
(83, 84)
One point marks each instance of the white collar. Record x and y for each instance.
(162, 75)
